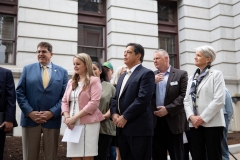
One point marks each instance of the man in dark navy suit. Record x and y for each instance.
(7, 106)
(131, 109)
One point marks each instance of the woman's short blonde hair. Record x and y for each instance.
(207, 51)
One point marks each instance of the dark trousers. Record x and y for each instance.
(135, 147)
(2, 143)
(104, 143)
(164, 140)
(188, 146)
(206, 141)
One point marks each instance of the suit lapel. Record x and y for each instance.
(155, 72)
(120, 80)
(38, 72)
(135, 72)
(170, 78)
(204, 81)
(69, 91)
(54, 72)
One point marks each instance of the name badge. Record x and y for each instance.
(174, 83)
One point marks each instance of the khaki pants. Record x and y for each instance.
(31, 138)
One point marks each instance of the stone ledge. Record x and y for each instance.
(235, 148)
(16, 71)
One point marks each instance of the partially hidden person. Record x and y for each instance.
(7, 106)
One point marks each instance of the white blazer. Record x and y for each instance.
(210, 99)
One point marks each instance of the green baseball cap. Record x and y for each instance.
(108, 65)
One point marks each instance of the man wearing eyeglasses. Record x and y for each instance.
(39, 94)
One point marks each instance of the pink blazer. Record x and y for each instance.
(88, 100)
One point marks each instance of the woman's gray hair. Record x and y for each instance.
(207, 51)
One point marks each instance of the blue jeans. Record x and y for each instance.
(112, 152)
(225, 151)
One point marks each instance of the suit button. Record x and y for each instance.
(197, 97)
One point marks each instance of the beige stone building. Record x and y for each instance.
(102, 28)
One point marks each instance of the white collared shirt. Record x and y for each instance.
(133, 68)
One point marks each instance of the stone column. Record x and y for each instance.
(131, 21)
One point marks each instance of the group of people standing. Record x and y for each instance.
(144, 113)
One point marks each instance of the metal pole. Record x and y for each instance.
(233, 156)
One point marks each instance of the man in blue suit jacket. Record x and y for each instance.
(131, 109)
(40, 102)
(7, 106)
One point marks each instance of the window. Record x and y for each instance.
(91, 6)
(165, 13)
(7, 39)
(167, 42)
(8, 12)
(90, 40)
(168, 30)
(92, 28)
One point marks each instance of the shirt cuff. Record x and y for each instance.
(124, 117)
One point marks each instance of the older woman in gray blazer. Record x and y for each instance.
(204, 99)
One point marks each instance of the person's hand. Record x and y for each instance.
(196, 121)
(8, 126)
(43, 116)
(193, 120)
(121, 122)
(105, 117)
(35, 116)
(69, 125)
(46, 115)
(159, 77)
(115, 118)
(67, 122)
(71, 122)
(162, 111)
(199, 121)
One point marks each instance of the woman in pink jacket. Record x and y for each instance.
(80, 107)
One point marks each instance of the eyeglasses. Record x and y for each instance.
(128, 52)
(43, 51)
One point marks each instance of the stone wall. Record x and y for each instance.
(215, 23)
(131, 21)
